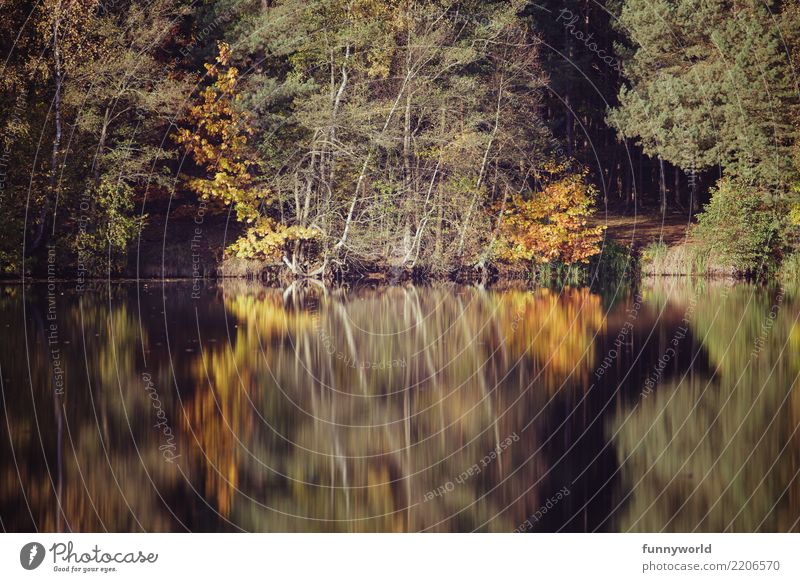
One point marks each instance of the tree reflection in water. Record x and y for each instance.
(399, 409)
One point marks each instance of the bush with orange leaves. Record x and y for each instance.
(552, 225)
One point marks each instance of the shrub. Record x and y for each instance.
(613, 264)
(552, 225)
(738, 228)
(790, 268)
(101, 247)
(654, 253)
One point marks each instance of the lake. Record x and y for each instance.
(156, 406)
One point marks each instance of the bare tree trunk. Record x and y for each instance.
(638, 185)
(567, 105)
(364, 167)
(568, 122)
(695, 204)
(662, 185)
(101, 144)
(407, 145)
(482, 171)
(420, 229)
(58, 76)
(627, 182)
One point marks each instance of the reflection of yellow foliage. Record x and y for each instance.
(794, 426)
(794, 339)
(217, 415)
(794, 460)
(557, 329)
(794, 214)
(220, 411)
(267, 316)
(366, 479)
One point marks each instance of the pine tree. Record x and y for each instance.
(709, 84)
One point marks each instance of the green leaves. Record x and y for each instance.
(740, 228)
(709, 85)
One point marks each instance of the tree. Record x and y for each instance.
(710, 84)
(740, 228)
(552, 224)
(122, 103)
(93, 80)
(391, 128)
(217, 141)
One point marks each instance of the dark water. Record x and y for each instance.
(151, 407)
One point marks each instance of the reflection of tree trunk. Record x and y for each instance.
(480, 375)
(318, 393)
(342, 462)
(351, 344)
(409, 469)
(58, 412)
(429, 366)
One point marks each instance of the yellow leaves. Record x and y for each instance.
(224, 54)
(267, 239)
(551, 226)
(794, 214)
(558, 329)
(264, 318)
(217, 141)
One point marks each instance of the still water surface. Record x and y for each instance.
(151, 407)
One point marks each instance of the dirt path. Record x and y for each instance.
(644, 228)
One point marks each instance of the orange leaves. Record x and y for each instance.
(557, 329)
(217, 140)
(553, 224)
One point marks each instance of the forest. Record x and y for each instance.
(439, 139)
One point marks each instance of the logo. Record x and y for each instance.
(31, 555)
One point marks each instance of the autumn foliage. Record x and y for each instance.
(551, 225)
(218, 142)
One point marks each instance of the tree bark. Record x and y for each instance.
(693, 192)
(482, 172)
(41, 230)
(662, 185)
